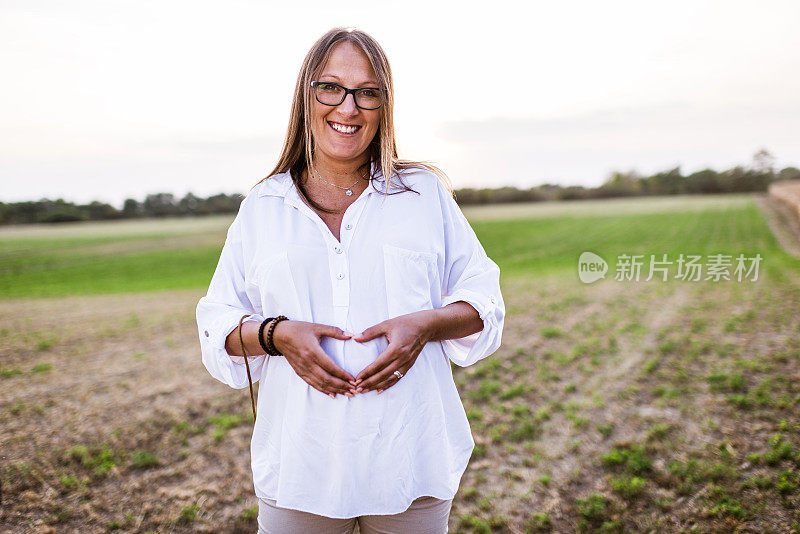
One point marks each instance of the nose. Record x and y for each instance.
(349, 105)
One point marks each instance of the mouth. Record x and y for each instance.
(344, 129)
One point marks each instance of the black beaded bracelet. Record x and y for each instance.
(270, 332)
(261, 334)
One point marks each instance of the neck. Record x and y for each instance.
(342, 173)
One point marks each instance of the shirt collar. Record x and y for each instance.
(280, 185)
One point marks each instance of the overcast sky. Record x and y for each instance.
(113, 99)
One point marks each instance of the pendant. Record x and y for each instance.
(348, 193)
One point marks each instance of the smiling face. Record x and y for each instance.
(342, 133)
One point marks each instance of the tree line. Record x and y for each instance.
(753, 178)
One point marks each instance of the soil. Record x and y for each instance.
(602, 366)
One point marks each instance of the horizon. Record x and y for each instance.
(177, 198)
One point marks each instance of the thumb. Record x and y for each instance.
(334, 332)
(370, 333)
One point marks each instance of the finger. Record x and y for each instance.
(321, 389)
(338, 375)
(390, 381)
(331, 384)
(323, 382)
(333, 331)
(318, 378)
(380, 382)
(370, 333)
(384, 359)
(309, 370)
(383, 375)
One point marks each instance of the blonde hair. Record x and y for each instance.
(298, 147)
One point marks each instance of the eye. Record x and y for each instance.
(328, 87)
(372, 93)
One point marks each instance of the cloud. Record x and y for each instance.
(642, 125)
(584, 148)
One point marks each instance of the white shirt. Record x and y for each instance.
(369, 454)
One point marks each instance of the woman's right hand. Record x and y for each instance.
(299, 342)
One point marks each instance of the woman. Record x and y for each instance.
(364, 427)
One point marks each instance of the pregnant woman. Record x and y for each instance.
(362, 280)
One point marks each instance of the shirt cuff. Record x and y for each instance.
(469, 349)
(224, 325)
(228, 369)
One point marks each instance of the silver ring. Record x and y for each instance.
(398, 374)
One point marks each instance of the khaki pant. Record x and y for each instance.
(426, 515)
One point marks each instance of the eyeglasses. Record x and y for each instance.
(333, 94)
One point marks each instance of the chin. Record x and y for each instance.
(344, 154)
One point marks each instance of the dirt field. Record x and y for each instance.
(613, 407)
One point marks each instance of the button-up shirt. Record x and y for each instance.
(397, 254)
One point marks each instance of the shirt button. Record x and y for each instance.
(338, 249)
(492, 299)
(340, 276)
(206, 333)
(348, 226)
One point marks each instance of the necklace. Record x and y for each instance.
(347, 190)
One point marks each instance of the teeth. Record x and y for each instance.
(342, 128)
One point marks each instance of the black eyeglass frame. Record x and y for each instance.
(347, 91)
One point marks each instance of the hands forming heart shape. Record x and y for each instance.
(299, 342)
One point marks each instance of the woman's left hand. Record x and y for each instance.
(407, 335)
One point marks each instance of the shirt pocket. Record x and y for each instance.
(409, 279)
(272, 278)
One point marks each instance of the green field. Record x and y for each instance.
(618, 406)
(524, 239)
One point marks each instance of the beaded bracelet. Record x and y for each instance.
(270, 331)
(261, 334)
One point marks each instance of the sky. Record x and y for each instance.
(106, 100)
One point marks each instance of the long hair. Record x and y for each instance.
(298, 147)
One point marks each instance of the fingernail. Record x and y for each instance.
(348, 333)
(348, 395)
(359, 390)
(358, 381)
(380, 391)
(332, 395)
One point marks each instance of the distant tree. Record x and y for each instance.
(132, 208)
(621, 184)
(223, 203)
(57, 211)
(763, 162)
(705, 181)
(189, 204)
(741, 180)
(573, 192)
(159, 205)
(789, 173)
(670, 182)
(101, 211)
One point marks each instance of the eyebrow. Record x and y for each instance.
(371, 83)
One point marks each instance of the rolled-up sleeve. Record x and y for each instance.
(470, 276)
(219, 311)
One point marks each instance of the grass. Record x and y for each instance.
(101, 460)
(188, 514)
(144, 459)
(224, 422)
(73, 258)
